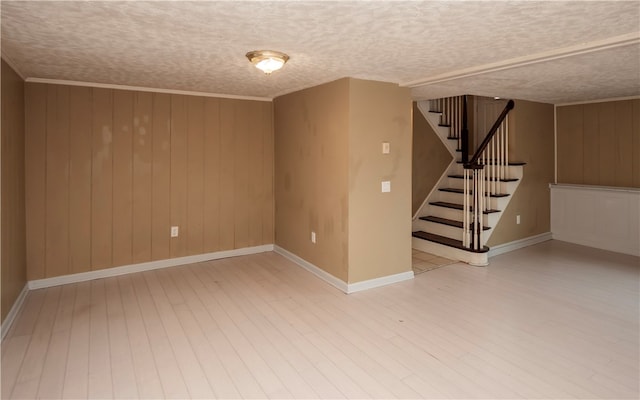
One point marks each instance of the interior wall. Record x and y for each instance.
(599, 143)
(110, 171)
(430, 159)
(311, 175)
(13, 264)
(379, 223)
(531, 141)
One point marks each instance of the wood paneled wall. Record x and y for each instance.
(110, 171)
(13, 264)
(599, 143)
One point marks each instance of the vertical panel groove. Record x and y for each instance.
(113, 132)
(605, 132)
(68, 270)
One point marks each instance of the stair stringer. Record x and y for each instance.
(441, 181)
(433, 119)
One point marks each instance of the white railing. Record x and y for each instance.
(452, 114)
(483, 182)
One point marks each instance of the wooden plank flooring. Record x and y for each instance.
(553, 320)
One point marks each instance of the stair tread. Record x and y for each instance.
(435, 112)
(445, 125)
(457, 206)
(446, 241)
(510, 163)
(446, 221)
(457, 176)
(452, 138)
(461, 191)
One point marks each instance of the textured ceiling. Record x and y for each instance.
(200, 46)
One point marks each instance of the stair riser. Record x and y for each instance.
(502, 187)
(495, 203)
(439, 229)
(456, 215)
(511, 171)
(476, 259)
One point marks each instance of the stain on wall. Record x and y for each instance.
(329, 165)
(311, 175)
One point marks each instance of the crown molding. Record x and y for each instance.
(144, 89)
(556, 54)
(598, 101)
(12, 64)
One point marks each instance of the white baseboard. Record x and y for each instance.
(339, 283)
(377, 282)
(147, 266)
(15, 309)
(317, 271)
(518, 244)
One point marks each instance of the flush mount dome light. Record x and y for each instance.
(267, 60)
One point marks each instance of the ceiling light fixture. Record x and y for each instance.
(267, 60)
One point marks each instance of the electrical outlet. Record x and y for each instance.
(313, 237)
(385, 147)
(174, 231)
(386, 186)
(518, 219)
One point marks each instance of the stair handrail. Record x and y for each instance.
(476, 156)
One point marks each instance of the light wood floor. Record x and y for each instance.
(550, 321)
(425, 262)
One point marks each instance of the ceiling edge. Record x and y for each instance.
(575, 103)
(145, 89)
(12, 64)
(570, 51)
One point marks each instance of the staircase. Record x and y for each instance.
(481, 184)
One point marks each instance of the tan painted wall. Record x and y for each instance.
(311, 175)
(13, 263)
(379, 223)
(599, 143)
(530, 141)
(430, 159)
(329, 166)
(109, 171)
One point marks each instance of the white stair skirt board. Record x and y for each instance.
(339, 283)
(15, 309)
(442, 132)
(471, 258)
(147, 266)
(518, 244)
(443, 179)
